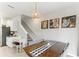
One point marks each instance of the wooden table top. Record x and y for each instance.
(53, 51)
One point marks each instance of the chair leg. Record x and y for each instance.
(17, 48)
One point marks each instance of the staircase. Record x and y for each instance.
(24, 20)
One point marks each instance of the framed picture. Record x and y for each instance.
(68, 22)
(54, 23)
(44, 24)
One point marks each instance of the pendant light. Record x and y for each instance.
(35, 13)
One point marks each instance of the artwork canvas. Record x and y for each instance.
(44, 24)
(68, 22)
(54, 23)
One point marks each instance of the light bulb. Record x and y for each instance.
(35, 14)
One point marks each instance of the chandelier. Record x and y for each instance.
(35, 13)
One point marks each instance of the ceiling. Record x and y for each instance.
(26, 8)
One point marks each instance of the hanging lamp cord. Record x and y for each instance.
(35, 6)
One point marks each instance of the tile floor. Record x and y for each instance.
(11, 52)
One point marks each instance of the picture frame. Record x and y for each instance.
(44, 24)
(68, 21)
(54, 23)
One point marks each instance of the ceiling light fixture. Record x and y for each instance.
(11, 6)
(35, 13)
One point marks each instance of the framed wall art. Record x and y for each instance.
(44, 24)
(54, 23)
(68, 22)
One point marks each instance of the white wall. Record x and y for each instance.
(15, 25)
(20, 30)
(61, 34)
(69, 34)
(0, 36)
